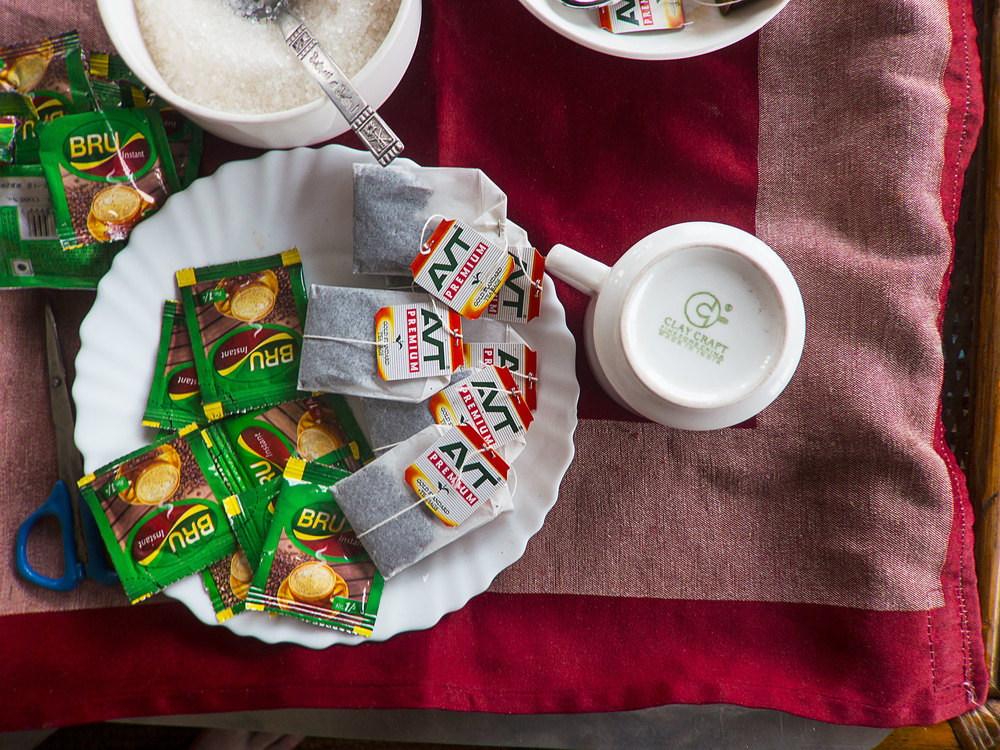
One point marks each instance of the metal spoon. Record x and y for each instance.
(365, 121)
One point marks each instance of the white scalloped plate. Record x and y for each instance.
(707, 29)
(301, 198)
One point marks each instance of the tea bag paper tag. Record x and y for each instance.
(457, 474)
(519, 300)
(416, 341)
(626, 16)
(462, 267)
(488, 401)
(521, 360)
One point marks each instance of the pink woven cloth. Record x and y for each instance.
(818, 561)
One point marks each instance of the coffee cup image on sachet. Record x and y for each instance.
(25, 73)
(316, 439)
(313, 583)
(240, 575)
(249, 299)
(114, 210)
(151, 479)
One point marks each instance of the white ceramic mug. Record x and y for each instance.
(698, 326)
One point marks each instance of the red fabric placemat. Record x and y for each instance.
(622, 610)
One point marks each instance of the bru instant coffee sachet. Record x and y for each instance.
(401, 514)
(174, 398)
(317, 428)
(31, 254)
(160, 511)
(106, 171)
(115, 85)
(245, 321)
(39, 82)
(250, 516)
(312, 566)
(227, 583)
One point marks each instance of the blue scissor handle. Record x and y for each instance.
(57, 505)
(97, 567)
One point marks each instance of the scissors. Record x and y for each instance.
(83, 551)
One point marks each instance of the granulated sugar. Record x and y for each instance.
(211, 55)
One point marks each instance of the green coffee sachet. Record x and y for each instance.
(30, 252)
(317, 428)
(174, 397)
(160, 511)
(250, 518)
(115, 85)
(227, 582)
(245, 322)
(313, 567)
(107, 171)
(40, 81)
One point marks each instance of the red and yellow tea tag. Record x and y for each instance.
(416, 341)
(462, 267)
(520, 298)
(626, 16)
(457, 474)
(521, 360)
(489, 401)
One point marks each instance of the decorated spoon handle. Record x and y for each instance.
(365, 121)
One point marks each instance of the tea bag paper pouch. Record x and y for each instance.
(393, 204)
(339, 351)
(394, 525)
(389, 423)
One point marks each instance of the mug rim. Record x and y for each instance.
(609, 352)
(683, 397)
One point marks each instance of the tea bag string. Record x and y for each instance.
(425, 248)
(425, 498)
(342, 340)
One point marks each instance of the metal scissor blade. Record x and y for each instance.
(70, 462)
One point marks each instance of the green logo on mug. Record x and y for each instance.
(703, 310)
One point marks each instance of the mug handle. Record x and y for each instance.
(576, 269)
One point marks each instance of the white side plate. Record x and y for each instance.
(301, 198)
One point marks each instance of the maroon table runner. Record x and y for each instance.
(818, 561)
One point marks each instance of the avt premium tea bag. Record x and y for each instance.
(391, 422)
(397, 525)
(107, 171)
(354, 339)
(519, 300)
(245, 321)
(461, 267)
(489, 401)
(392, 205)
(512, 353)
(160, 511)
(174, 398)
(312, 566)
